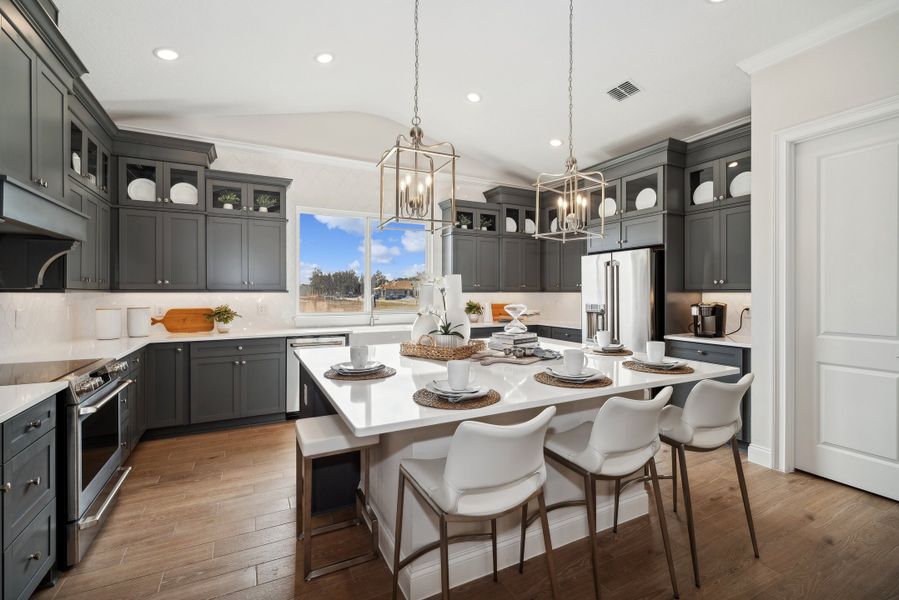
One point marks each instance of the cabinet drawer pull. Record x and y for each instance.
(240, 347)
(236, 363)
(35, 481)
(243, 362)
(700, 352)
(36, 424)
(6, 487)
(124, 444)
(159, 199)
(159, 282)
(35, 556)
(165, 281)
(178, 349)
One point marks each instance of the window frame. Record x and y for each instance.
(368, 312)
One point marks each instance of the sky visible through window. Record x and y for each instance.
(332, 264)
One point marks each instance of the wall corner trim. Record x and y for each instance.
(842, 25)
(760, 456)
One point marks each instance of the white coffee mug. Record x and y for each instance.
(603, 338)
(359, 356)
(458, 373)
(655, 351)
(574, 361)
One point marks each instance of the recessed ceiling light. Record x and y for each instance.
(473, 97)
(555, 143)
(324, 58)
(165, 54)
(716, 1)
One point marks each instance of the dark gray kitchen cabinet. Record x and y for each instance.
(487, 261)
(214, 389)
(137, 398)
(161, 184)
(551, 260)
(246, 254)
(642, 232)
(91, 207)
(475, 257)
(161, 250)
(262, 384)
(609, 242)
(167, 385)
(51, 110)
(717, 249)
(266, 255)
(103, 245)
(520, 268)
(710, 185)
(88, 158)
(17, 71)
(87, 265)
(570, 267)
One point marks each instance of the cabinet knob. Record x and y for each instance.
(240, 347)
(251, 283)
(721, 281)
(243, 362)
(178, 349)
(159, 199)
(159, 282)
(166, 282)
(35, 556)
(46, 184)
(124, 444)
(700, 352)
(244, 282)
(35, 481)
(236, 363)
(6, 487)
(166, 200)
(36, 424)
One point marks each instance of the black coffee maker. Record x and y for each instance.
(708, 319)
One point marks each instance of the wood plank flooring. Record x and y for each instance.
(213, 516)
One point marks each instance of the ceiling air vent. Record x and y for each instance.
(623, 90)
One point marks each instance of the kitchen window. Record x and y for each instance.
(347, 265)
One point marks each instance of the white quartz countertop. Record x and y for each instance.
(737, 341)
(534, 322)
(16, 398)
(385, 405)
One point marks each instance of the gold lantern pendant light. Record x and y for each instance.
(570, 192)
(409, 171)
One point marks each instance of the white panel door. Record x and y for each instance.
(847, 307)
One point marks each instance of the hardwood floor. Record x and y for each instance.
(213, 516)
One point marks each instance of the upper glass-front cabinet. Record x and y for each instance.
(475, 219)
(642, 193)
(267, 200)
(139, 181)
(226, 196)
(519, 220)
(172, 185)
(88, 159)
(610, 206)
(719, 182)
(182, 186)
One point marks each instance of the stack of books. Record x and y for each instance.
(503, 340)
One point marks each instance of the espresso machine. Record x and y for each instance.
(708, 319)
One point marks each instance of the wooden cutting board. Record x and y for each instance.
(185, 320)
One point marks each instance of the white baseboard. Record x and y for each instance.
(760, 456)
(422, 579)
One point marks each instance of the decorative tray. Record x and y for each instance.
(441, 352)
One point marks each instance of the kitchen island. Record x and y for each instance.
(407, 430)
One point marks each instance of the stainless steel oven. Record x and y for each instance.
(94, 474)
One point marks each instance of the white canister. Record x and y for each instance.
(138, 321)
(453, 283)
(109, 323)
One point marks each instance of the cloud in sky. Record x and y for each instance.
(412, 270)
(413, 241)
(306, 271)
(351, 225)
(382, 254)
(354, 266)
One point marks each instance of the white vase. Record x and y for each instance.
(453, 285)
(447, 341)
(138, 321)
(457, 316)
(424, 324)
(474, 318)
(223, 327)
(108, 323)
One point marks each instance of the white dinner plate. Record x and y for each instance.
(609, 206)
(665, 364)
(704, 193)
(645, 199)
(444, 386)
(457, 397)
(76, 162)
(183, 193)
(560, 373)
(554, 226)
(511, 225)
(530, 226)
(741, 185)
(348, 368)
(142, 189)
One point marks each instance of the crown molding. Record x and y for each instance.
(719, 129)
(298, 155)
(842, 25)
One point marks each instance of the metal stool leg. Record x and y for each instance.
(617, 501)
(398, 534)
(548, 547)
(524, 527)
(745, 494)
(493, 543)
(688, 504)
(444, 559)
(674, 477)
(590, 494)
(299, 490)
(306, 504)
(663, 525)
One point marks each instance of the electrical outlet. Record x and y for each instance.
(20, 318)
(158, 311)
(262, 309)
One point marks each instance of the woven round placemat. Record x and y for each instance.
(382, 374)
(432, 400)
(544, 377)
(622, 352)
(635, 366)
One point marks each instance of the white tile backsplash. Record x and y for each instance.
(554, 306)
(735, 302)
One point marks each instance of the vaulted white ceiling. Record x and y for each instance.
(247, 72)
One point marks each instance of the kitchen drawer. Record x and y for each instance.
(710, 353)
(566, 334)
(28, 559)
(135, 361)
(236, 347)
(125, 441)
(24, 428)
(31, 477)
(482, 333)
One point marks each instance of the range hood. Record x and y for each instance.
(35, 231)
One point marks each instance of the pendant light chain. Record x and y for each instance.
(570, 79)
(416, 120)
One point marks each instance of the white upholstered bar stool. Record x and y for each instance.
(709, 420)
(621, 441)
(490, 470)
(328, 436)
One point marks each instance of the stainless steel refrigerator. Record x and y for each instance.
(623, 292)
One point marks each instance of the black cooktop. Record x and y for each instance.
(40, 372)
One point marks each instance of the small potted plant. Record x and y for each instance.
(474, 310)
(222, 316)
(266, 201)
(446, 335)
(486, 222)
(228, 200)
(464, 221)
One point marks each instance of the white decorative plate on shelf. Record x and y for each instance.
(142, 189)
(554, 226)
(76, 162)
(609, 206)
(183, 193)
(530, 226)
(645, 199)
(704, 193)
(511, 225)
(741, 185)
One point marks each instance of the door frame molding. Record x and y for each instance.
(783, 395)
